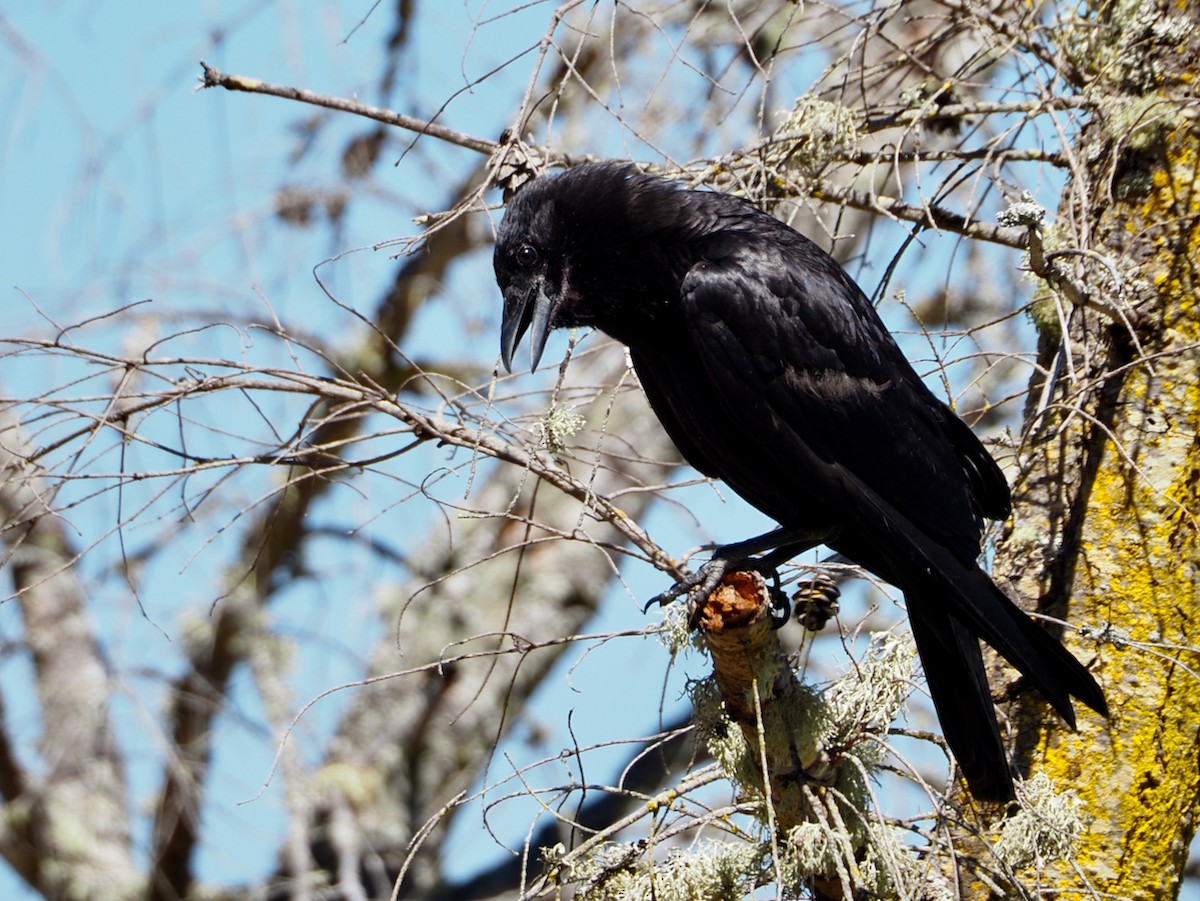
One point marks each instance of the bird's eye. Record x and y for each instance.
(526, 255)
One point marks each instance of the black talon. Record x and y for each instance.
(775, 548)
(698, 586)
(705, 580)
(780, 609)
(687, 584)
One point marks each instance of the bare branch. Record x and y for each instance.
(215, 78)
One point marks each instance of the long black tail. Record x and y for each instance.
(952, 605)
(958, 685)
(986, 612)
(947, 626)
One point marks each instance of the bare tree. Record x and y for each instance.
(897, 136)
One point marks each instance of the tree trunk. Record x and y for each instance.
(67, 829)
(1105, 529)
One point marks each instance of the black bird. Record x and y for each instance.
(771, 370)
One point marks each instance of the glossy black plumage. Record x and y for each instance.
(771, 370)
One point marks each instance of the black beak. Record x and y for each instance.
(528, 312)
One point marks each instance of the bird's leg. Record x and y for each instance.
(731, 557)
(782, 544)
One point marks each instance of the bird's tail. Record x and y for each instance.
(958, 685)
(986, 612)
(952, 605)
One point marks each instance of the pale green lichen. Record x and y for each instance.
(709, 871)
(558, 426)
(815, 848)
(1124, 48)
(876, 866)
(677, 633)
(844, 724)
(720, 870)
(810, 135)
(1139, 121)
(1048, 826)
(725, 741)
(1022, 214)
(870, 695)
(851, 717)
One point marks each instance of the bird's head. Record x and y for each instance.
(529, 269)
(599, 245)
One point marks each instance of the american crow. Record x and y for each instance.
(771, 370)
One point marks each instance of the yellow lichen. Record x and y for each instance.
(1137, 581)
(1133, 575)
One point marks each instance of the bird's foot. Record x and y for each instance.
(698, 586)
(705, 580)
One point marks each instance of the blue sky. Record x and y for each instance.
(123, 184)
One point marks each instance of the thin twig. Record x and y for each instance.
(215, 78)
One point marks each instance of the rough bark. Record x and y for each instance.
(1105, 530)
(66, 830)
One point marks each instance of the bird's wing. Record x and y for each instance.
(798, 360)
(802, 363)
